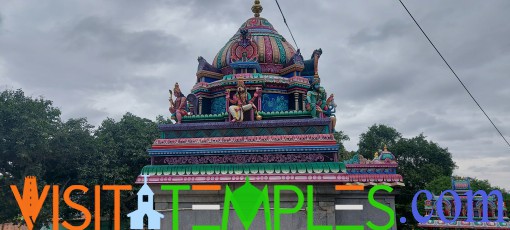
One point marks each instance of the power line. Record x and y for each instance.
(285, 21)
(460, 81)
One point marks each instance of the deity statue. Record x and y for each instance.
(316, 99)
(241, 102)
(177, 107)
(330, 105)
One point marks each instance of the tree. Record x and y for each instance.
(420, 162)
(72, 144)
(160, 119)
(340, 137)
(375, 138)
(121, 153)
(439, 184)
(35, 142)
(26, 128)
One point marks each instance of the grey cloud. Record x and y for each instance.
(93, 116)
(217, 10)
(389, 29)
(110, 41)
(480, 169)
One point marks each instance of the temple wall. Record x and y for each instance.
(325, 198)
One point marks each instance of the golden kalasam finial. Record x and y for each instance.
(385, 148)
(256, 8)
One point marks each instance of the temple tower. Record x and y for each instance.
(259, 112)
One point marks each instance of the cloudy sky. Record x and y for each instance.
(99, 59)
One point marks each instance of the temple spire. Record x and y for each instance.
(256, 8)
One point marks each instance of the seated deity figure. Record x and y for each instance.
(241, 102)
(177, 107)
(316, 99)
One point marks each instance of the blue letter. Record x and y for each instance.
(485, 201)
(439, 206)
(414, 206)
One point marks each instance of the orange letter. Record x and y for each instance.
(31, 203)
(86, 213)
(97, 207)
(116, 202)
(56, 200)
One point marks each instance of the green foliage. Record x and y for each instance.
(35, 142)
(121, 153)
(439, 184)
(340, 137)
(160, 119)
(443, 183)
(26, 129)
(375, 138)
(419, 161)
(123, 143)
(416, 156)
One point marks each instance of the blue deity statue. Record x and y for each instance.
(316, 99)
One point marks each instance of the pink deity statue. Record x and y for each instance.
(177, 107)
(241, 102)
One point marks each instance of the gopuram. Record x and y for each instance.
(260, 112)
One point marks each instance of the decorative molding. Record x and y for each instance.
(292, 68)
(205, 73)
(465, 225)
(394, 180)
(244, 150)
(246, 124)
(247, 139)
(269, 80)
(242, 159)
(254, 168)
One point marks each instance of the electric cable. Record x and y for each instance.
(285, 21)
(460, 81)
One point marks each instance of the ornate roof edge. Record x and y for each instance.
(247, 139)
(292, 68)
(339, 178)
(464, 224)
(244, 150)
(235, 169)
(246, 124)
(206, 73)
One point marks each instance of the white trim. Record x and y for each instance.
(205, 207)
(357, 207)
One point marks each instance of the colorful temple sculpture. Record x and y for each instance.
(259, 111)
(461, 186)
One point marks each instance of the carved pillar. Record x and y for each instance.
(199, 105)
(296, 101)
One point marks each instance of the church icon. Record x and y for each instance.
(145, 208)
